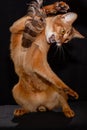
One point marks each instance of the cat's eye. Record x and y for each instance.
(63, 31)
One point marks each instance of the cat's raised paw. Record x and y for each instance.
(61, 7)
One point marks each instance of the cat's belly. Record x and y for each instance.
(31, 100)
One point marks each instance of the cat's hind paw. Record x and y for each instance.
(19, 112)
(69, 112)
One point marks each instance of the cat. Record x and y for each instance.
(39, 88)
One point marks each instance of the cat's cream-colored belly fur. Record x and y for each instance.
(30, 98)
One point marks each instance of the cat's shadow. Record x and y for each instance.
(49, 119)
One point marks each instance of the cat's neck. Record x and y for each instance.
(42, 42)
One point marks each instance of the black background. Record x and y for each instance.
(71, 66)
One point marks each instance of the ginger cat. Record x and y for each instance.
(39, 88)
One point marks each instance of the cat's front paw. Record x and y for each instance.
(61, 7)
(69, 112)
(76, 96)
(72, 93)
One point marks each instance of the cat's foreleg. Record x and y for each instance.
(51, 77)
(43, 69)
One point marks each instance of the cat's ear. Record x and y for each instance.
(69, 17)
(76, 34)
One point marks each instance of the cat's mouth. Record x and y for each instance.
(52, 40)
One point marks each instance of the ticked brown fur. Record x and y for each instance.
(39, 88)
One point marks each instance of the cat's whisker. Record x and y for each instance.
(66, 49)
(60, 51)
(58, 48)
(63, 52)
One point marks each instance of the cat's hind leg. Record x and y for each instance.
(19, 96)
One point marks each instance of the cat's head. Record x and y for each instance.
(59, 28)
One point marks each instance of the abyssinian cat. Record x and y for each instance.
(39, 88)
